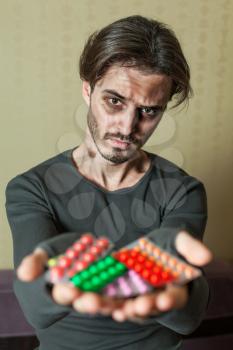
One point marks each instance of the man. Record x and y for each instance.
(109, 186)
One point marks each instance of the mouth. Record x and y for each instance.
(120, 144)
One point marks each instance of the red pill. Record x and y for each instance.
(165, 275)
(148, 264)
(80, 265)
(156, 251)
(88, 257)
(173, 262)
(56, 273)
(87, 239)
(95, 250)
(133, 253)
(156, 269)
(102, 242)
(64, 261)
(71, 273)
(122, 256)
(71, 253)
(130, 262)
(138, 268)
(154, 279)
(141, 258)
(145, 274)
(142, 242)
(164, 257)
(79, 247)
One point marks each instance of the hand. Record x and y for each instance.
(172, 297)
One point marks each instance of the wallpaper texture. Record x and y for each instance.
(42, 111)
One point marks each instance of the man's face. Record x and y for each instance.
(125, 107)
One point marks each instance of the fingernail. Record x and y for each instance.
(78, 304)
(163, 302)
(118, 316)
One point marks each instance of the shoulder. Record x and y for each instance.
(164, 166)
(171, 176)
(37, 175)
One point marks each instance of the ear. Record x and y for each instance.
(86, 92)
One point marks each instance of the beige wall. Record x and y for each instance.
(42, 112)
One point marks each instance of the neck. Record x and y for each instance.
(106, 174)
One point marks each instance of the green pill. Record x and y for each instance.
(112, 271)
(120, 267)
(101, 265)
(77, 281)
(87, 286)
(96, 281)
(93, 269)
(109, 260)
(104, 276)
(85, 274)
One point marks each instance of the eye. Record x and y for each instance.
(114, 101)
(151, 112)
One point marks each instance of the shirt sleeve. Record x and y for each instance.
(31, 222)
(185, 209)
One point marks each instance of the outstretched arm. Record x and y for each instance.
(31, 222)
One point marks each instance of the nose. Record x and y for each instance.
(128, 122)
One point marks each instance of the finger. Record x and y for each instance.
(64, 293)
(143, 305)
(32, 266)
(119, 315)
(174, 297)
(124, 311)
(133, 309)
(88, 302)
(110, 304)
(194, 251)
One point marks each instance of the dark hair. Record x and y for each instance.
(139, 42)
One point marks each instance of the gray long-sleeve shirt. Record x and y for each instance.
(47, 204)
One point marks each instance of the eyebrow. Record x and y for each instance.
(115, 93)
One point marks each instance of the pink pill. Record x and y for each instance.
(122, 280)
(124, 285)
(110, 290)
(132, 273)
(143, 288)
(127, 293)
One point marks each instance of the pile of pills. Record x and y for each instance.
(151, 271)
(136, 269)
(128, 285)
(78, 257)
(182, 271)
(99, 274)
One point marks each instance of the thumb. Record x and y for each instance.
(193, 250)
(32, 266)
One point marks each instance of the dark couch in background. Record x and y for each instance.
(215, 332)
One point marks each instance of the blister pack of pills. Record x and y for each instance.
(91, 264)
(83, 252)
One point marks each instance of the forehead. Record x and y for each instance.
(136, 86)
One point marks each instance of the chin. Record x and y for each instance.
(117, 156)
